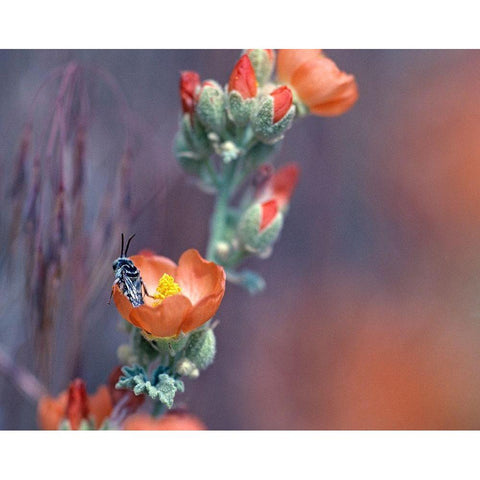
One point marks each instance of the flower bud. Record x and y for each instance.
(274, 115)
(77, 404)
(263, 61)
(279, 186)
(186, 367)
(282, 101)
(210, 107)
(260, 226)
(201, 348)
(243, 78)
(189, 85)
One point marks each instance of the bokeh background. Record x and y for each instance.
(371, 316)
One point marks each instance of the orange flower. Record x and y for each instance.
(317, 81)
(74, 405)
(186, 296)
(173, 420)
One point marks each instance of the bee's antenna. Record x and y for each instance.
(128, 244)
(121, 252)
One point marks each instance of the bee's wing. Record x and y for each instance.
(133, 292)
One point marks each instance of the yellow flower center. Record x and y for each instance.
(166, 288)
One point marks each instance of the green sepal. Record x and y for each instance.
(263, 65)
(191, 146)
(201, 347)
(249, 234)
(87, 425)
(263, 126)
(84, 425)
(143, 350)
(171, 345)
(194, 135)
(239, 108)
(210, 107)
(64, 425)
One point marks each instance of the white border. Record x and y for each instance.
(238, 24)
(268, 454)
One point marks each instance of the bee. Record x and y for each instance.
(127, 277)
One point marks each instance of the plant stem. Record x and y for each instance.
(217, 225)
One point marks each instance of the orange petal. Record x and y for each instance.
(122, 303)
(152, 267)
(319, 82)
(340, 105)
(202, 311)
(100, 404)
(198, 277)
(163, 320)
(51, 411)
(289, 60)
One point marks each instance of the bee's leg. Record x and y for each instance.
(111, 293)
(146, 291)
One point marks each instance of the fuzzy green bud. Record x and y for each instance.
(265, 124)
(263, 61)
(240, 108)
(260, 226)
(201, 348)
(210, 108)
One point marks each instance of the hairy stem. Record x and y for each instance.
(217, 225)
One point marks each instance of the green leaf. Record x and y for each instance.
(161, 386)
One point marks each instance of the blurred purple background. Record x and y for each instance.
(371, 316)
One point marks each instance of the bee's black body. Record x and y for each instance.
(127, 277)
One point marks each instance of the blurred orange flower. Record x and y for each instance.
(74, 405)
(186, 295)
(175, 420)
(317, 81)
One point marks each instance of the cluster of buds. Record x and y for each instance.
(228, 134)
(231, 121)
